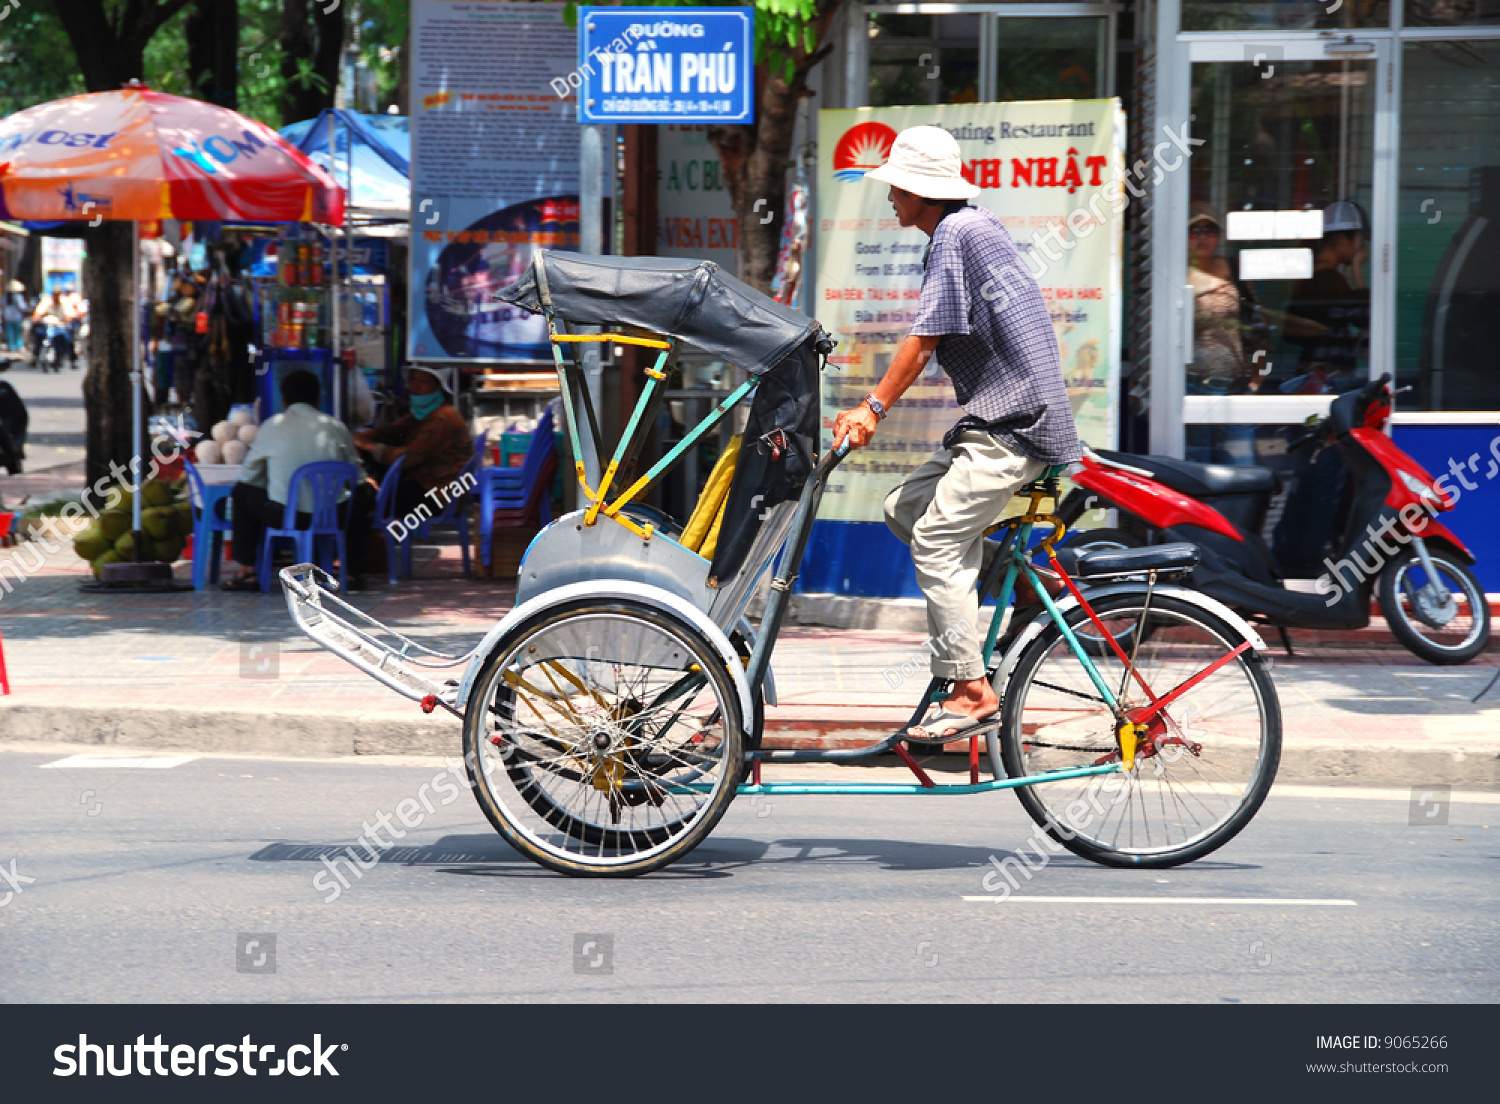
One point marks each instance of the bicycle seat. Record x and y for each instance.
(1199, 480)
(1170, 559)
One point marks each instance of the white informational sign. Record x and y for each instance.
(695, 217)
(494, 171)
(1044, 169)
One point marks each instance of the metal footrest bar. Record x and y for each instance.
(845, 755)
(411, 669)
(855, 788)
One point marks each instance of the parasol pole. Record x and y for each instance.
(136, 381)
(336, 375)
(348, 232)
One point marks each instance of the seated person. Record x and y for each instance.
(432, 442)
(300, 434)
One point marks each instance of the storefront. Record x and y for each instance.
(1336, 218)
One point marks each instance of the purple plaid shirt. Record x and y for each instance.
(997, 343)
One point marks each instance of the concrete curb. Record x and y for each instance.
(318, 734)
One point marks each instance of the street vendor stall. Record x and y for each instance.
(137, 155)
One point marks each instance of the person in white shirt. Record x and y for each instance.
(300, 434)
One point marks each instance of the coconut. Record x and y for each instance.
(169, 550)
(247, 434)
(223, 431)
(156, 493)
(125, 547)
(234, 452)
(240, 418)
(160, 522)
(112, 523)
(119, 498)
(106, 557)
(90, 543)
(208, 452)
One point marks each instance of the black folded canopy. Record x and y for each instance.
(695, 302)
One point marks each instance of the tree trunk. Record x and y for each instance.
(111, 50)
(755, 160)
(318, 41)
(755, 157)
(106, 386)
(403, 75)
(212, 32)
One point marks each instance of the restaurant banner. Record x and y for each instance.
(494, 171)
(1044, 167)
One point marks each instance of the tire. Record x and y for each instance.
(1233, 717)
(1399, 590)
(584, 671)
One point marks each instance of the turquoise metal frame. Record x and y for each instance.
(1014, 558)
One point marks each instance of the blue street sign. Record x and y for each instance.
(666, 65)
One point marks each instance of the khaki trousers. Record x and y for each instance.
(942, 511)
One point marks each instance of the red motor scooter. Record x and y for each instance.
(1390, 544)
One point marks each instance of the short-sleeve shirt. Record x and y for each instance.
(997, 346)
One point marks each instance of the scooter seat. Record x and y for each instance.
(1167, 558)
(1199, 480)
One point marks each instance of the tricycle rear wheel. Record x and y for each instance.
(604, 737)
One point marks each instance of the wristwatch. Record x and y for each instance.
(876, 405)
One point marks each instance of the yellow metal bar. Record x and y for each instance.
(593, 511)
(644, 532)
(623, 339)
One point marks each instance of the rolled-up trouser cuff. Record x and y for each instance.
(957, 670)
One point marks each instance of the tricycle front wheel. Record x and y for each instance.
(604, 737)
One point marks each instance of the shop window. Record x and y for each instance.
(923, 59)
(1050, 59)
(1288, 15)
(1448, 242)
(1452, 13)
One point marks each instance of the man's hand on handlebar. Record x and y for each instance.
(857, 424)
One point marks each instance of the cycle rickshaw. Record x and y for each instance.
(613, 715)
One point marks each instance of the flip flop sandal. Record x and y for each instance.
(241, 585)
(960, 724)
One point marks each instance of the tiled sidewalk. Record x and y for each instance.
(185, 659)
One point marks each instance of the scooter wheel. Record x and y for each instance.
(1451, 630)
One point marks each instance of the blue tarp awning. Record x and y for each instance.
(381, 186)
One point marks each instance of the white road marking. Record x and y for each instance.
(1309, 901)
(119, 762)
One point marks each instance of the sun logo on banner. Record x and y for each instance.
(862, 148)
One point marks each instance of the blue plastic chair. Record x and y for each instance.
(511, 488)
(328, 479)
(209, 526)
(385, 513)
(454, 515)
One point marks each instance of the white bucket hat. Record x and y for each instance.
(444, 376)
(925, 161)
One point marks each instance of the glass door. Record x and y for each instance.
(1280, 238)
